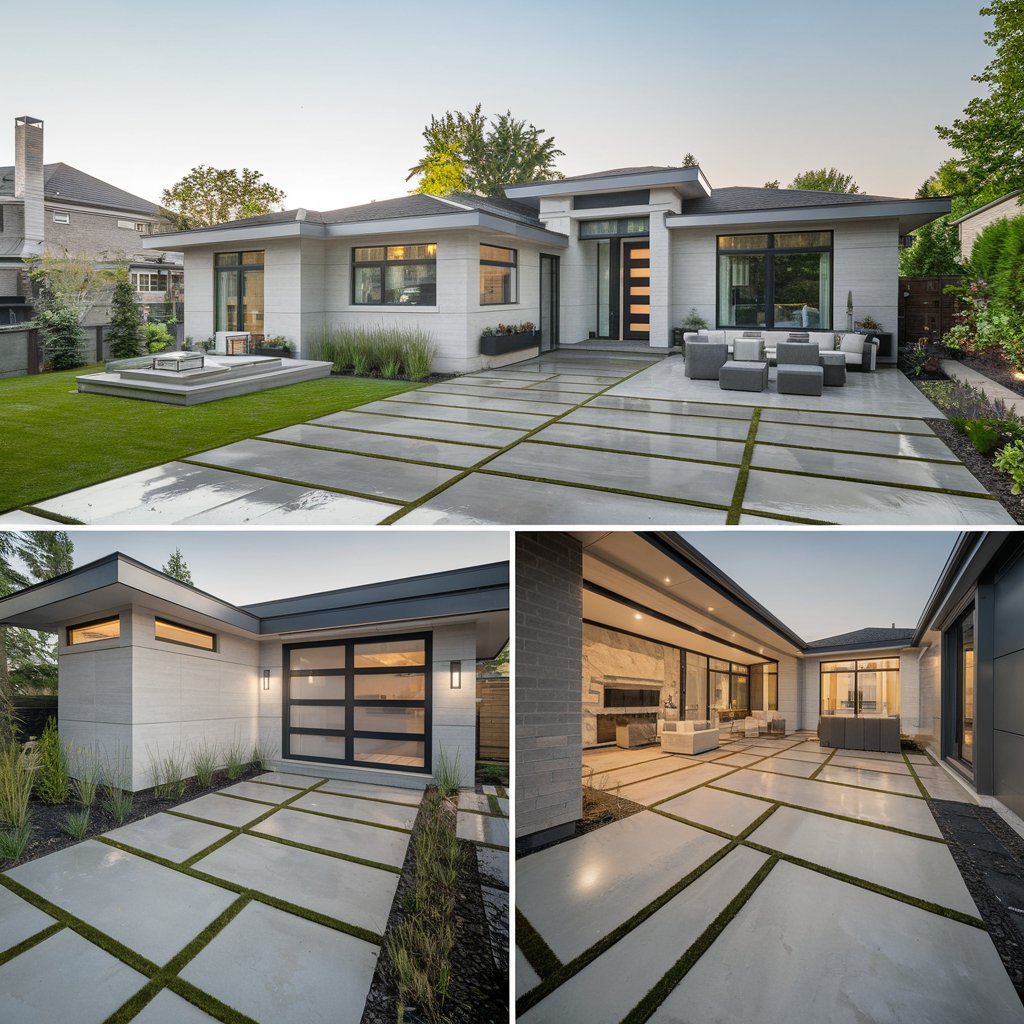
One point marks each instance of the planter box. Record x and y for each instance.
(499, 344)
(282, 353)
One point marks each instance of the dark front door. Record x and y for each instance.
(548, 302)
(965, 689)
(636, 291)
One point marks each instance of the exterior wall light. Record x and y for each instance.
(266, 679)
(456, 675)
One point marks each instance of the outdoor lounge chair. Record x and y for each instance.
(688, 737)
(705, 358)
(798, 370)
(860, 352)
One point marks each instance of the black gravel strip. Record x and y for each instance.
(600, 809)
(990, 856)
(47, 820)
(997, 369)
(478, 993)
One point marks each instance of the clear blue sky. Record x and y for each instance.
(328, 98)
(247, 565)
(825, 582)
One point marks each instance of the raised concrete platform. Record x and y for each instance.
(220, 377)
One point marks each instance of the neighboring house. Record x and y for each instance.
(374, 682)
(621, 255)
(972, 225)
(641, 626)
(53, 208)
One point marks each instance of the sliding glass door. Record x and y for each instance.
(868, 687)
(238, 280)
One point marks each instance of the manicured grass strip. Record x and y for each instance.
(657, 995)
(871, 789)
(817, 771)
(53, 516)
(778, 517)
(492, 802)
(736, 507)
(538, 953)
(920, 785)
(353, 429)
(361, 454)
(882, 890)
(494, 407)
(207, 1003)
(626, 451)
(32, 940)
(56, 439)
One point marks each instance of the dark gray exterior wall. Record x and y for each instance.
(1007, 675)
(548, 673)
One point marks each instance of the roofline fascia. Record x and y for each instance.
(815, 652)
(988, 206)
(848, 211)
(610, 183)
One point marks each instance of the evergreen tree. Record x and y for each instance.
(63, 337)
(935, 252)
(178, 568)
(690, 160)
(987, 248)
(125, 334)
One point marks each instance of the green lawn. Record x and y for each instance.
(52, 439)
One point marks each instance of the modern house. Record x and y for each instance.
(972, 225)
(372, 682)
(55, 208)
(640, 627)
(621, 255)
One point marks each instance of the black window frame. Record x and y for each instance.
(239, 268)
(856, 670)
(513, 266)
(213, 649)
(68, 642)
(350, 702)
(382, 265)
(618, 230)
(771, 250)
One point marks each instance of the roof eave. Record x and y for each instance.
(911, 213)
(988, 206)
(690, 182)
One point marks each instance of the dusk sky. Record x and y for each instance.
(249, 565)
(824, 582)
(328, 99)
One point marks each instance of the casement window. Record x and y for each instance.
(774, 281)
(395, 275)
(61, 217)
(499, 277)
(861, 687)
(142, 227)
(175, 633)
(238, 279)
(146, 281)
(90, 632)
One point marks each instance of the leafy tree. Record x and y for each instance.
(465, 153)
(989, 136)
(178, 568)
(935, 252)
(125, 334)
(1008, 279)
(772, 184)
(62, 335)
(825, 179)
(209, 195)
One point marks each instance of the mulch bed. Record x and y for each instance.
(434, 378)
(47, 821)
(478, 992)
(990, 856)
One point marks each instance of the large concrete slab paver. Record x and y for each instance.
(281, 969)
(166, 836)
(382, 478)
(178, 492)
(667, 407)
(768, 964)
(612, 777)
(852, 421)
(652, 790)
(445, 400)
(223, 809)
(526, 976)
(341, 889)
(152, 909)
(880, 808)
(64, 978)
(289, 779)
(19, 920)
(637, 442)
(402, 426)
(840, 439)
(483, 416)
(605, 758)
(724, 428)
(608, 988)
(787, 766)
(383, 845)
(728, 812)
(167, 1008)
(484, 499)
(916, 867)
(374, 811)
(482, 828)
(577, 892)
(261, 791)
(465, 393)
(887, 782)
(866, 761)
(389, 794)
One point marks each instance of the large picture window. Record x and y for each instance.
(498, 276)
(776, 280)
(394, 275)
(238, 277)
(862, 687)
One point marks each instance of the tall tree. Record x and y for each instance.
(178, 568)
(690, 160)
(989, 136)
(208, 195)
(465, 153)
(936, 248)
(773, 184)
(125, 334)
(825, 179)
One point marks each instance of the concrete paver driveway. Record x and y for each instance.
(571, 438)
(765, 881)
(257, 899)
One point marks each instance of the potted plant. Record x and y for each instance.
(869, 326)
(278, 345)
(693, 322)
(496, 341)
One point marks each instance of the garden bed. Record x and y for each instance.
(996, 368)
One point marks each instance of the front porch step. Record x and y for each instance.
(630, 348)
(382, 776)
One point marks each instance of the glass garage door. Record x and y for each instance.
(362, 702)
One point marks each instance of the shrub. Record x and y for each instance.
(984, 435)
(986, 249)
(76, 823)
(205, 760)
(448, 774)
(117, 802)
(261, 754)
(86, 771)
(419, 357)
(125, 334)
(168, 773)
(157, 337)
(1008, 280)
(52, 783)
(17, 773)
(13, 842)
(63, 337)
(1011, 462)
(237, 758)
(389, 351)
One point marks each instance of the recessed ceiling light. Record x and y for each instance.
(637, 615)
(711, 609)
(667, 580)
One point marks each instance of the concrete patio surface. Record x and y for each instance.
(238, 900)
(745, 893)
(602, 438)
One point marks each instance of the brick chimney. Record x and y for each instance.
(28, 179)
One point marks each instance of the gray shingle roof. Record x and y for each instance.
(617, 170)
(872, 636)
(62, 182)
(737, 199)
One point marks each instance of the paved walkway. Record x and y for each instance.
(956, 370)
(571, 438)
(269, 897)
(768, 880)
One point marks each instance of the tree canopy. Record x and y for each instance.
(936, 248)
(178, 568)
(463, 152)
(989, 135)
(825, 179)
(208, 195)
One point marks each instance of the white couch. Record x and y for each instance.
(688, 737)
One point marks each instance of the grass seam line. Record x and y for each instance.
(539, 955)
(920, 785)
(740, 490)
(33, 940)
(384, 433)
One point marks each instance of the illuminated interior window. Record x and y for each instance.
(89, 632)
(176, 634)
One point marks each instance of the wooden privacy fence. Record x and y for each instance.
(21, 351)
(492, 718)
(925, 309)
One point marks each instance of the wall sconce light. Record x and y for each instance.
(670, 704)
(456, 675)
(266, 679)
